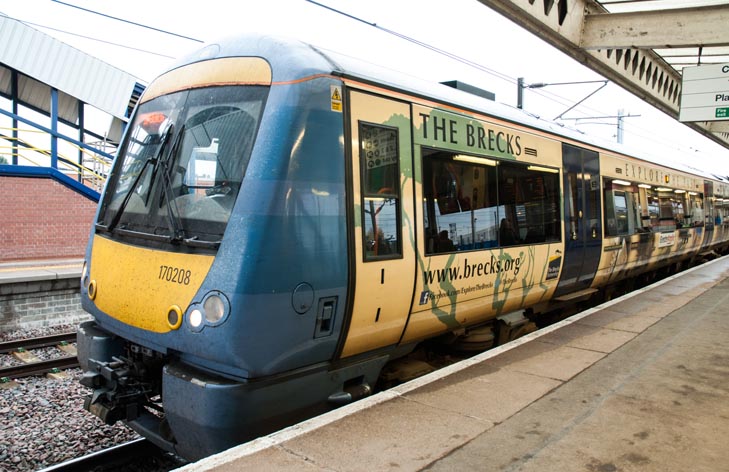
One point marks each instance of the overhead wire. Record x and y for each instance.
(418, 42)
(128, 21)
(649, 136)
(563, 101)
(547, 94)
(94, 39)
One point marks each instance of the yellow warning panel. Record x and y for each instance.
(336, 94)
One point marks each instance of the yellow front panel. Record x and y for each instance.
(137, 286)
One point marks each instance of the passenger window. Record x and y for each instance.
(460, 202)
(623, 211)
(528, 204)
(463, 210)
(696, 209)
(633, 208)
(380, 169)
(620, 203)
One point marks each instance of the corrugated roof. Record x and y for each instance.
(65, 68)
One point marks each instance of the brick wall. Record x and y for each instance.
(38, 304)
(42, 219)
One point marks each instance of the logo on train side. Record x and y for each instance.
(555, 262)
(445, 129)
(482, 275)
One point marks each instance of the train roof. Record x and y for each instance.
(292, 59)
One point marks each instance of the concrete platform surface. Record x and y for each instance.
(33, 271)
(638, 384)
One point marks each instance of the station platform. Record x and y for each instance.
(638, 383)
(39, 270)
(40, 293)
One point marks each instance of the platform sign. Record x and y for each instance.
(705, 93)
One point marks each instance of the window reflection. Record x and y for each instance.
(379, 158)
(633, 208)
(473, 203)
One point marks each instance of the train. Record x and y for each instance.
(282, 223)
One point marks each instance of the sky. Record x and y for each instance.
(465, 28)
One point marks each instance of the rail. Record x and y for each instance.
(38, 368)
(35, 343)
(114, 457)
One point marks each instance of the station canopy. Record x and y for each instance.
(641, 45)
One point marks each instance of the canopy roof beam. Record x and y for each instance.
(620, 46)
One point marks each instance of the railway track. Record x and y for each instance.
(141, 452)
(35, 343)
(38, 367)
(20, 349)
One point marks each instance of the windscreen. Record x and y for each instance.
(181, 166)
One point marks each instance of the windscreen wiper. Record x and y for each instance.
(178, 232)
(128, 196)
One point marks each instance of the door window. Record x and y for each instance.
(380, 164)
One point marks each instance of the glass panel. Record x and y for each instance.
(653, 208)
(696, 212)
(620, 203)
(381, 227)
(182, 164)
(529, 205)
(572, 204)
(485, 207)
(666, 221)
(462, 212)
(447, 210)
(379, 159)
(623, 212)
(460, 207)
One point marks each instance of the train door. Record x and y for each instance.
(382, 222)
(709, 219)
(583, 220)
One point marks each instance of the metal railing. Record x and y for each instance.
(90, 167)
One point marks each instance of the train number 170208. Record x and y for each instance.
(175, 274)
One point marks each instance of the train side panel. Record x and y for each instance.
(654, 217)
(484, 249)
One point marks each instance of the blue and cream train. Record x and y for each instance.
(282, 221)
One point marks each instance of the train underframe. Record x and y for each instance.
(193, 413)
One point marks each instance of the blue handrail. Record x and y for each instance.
(48, 172)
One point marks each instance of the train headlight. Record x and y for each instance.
(196, 318)
(214, 308)
(212, 311)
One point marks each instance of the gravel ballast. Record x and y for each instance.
(43, 420)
